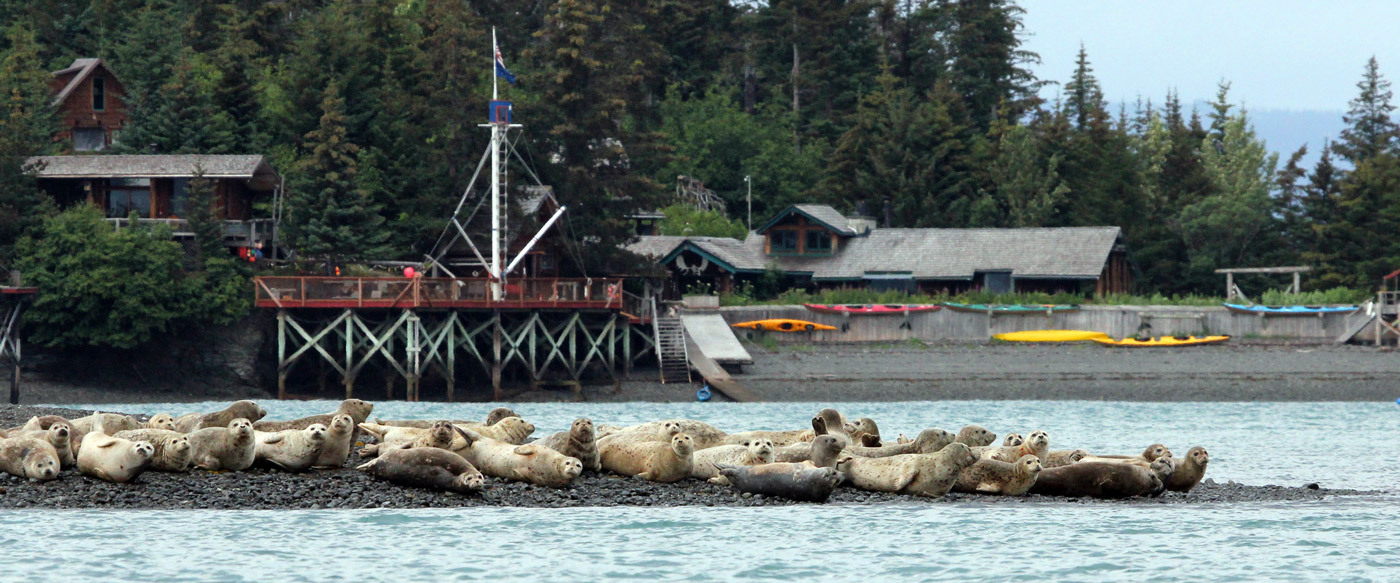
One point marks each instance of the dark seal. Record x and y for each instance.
(426, 467)
(1097, 480)
(800, 482)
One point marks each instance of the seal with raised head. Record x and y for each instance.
(59, 435)
(525, 463)
(426, 467)
(822, 452)
(779, 438)
(923, 474)
(107, 423)
(651, 460)
(703, 434)
(792, 481)
(928, 441)
(357, 410)
(1064, 457)
(219, 419)
(440, 434)
(865, 432)
(660, 432)
(230, 448)
(161, 421)
(1147, 456)
(340, 437)
(989, 476)
(39, 423)
(492, 417)
(579, 442)
(1189, 471)
(976, 436)
(705, 463)
(291, 450)
(29, 456)
(1036, 444)
(512, 430)
(831, 422)
(114, 459)
(172, 448)
(1012, 440)
(1096, 480)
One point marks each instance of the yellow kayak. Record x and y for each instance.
(780, 325)
(1164, 341)
(1051, 336)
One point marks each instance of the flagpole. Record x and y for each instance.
(494, 95)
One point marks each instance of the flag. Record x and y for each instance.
(501, 67)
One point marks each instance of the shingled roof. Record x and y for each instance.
(83, 68)
(247, 167)
(734, 254)
(820, 213)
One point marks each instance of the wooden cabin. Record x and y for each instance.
(91, 104)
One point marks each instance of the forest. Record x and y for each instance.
(370, 108)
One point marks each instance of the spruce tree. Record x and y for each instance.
(27, 124)
(1026, 190)
(1371, 131)
(1222, 230)
(988, 66)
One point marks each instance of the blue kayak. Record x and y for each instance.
(1289, 310)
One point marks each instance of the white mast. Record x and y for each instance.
(498, 180)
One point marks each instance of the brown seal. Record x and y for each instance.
(340, 437)
(931, 474)
(219, 419)
(357, 410)
(1097, 480)
(579, 442)
(60, 435)
(172, 448)
(492, 417)
(1189, 471)
(440, 434)
(928, 441)
(114, 459)
(703, 434)
(989, 476)
(426, 467)
(976, 436)
(1036, 444)
(107, 423)
(651, 460)
(230, 448)
(525, 463)
(792, 481)
(1064, 457)
(822, 452)
(1147, 456)
(865, 432)
(660, 431)
(29, 456)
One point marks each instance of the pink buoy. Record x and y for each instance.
(409, 272)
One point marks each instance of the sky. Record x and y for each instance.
(1277, 54)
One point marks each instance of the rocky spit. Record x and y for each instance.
(348, 488)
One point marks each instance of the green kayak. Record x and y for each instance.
(1004, 309)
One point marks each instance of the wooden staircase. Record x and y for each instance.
(671, 352)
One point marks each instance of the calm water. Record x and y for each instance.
(1343, 445)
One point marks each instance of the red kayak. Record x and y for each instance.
(872, 308)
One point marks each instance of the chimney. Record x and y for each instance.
(862, 208)
(889, 212)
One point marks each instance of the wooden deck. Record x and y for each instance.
(444, 293)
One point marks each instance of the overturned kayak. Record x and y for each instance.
(1163, 341)
(1008, 309)
(1289, 310)
(872, 309)
(1051, 336)
(781, 325)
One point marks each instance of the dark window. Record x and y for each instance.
(89, 139)
(99, 94)
(128, 195)
(179, 197)
(783, 241)
(818, 242)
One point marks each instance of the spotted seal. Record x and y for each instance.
(705, 463)
(525, 463)
(219, 419)
(1096, 480)
(114, 459)
(822, 452)
(976, 436)
(931, 474)
(358, 411)
(784, 480)
(426, 467)
(230, 448)
(579, 442)
(990, 476)
(290, 450)
(928, 441)
(172, 448)
(651, 460)
(29, 456)
(340, 437)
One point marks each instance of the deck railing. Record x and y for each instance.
(235, 233)
(435, 292)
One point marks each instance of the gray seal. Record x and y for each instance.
(426, 467)
(1097, 480)
(792, 481)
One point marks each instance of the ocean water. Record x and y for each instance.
(1340, 445)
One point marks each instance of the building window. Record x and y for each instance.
(99, 94)
(784, 241)
(89, 139)
(818, 242)
(179, 197)
(129, 195)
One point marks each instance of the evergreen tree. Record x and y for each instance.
(1083, 98)
(1222, 230)
(1371, 130)
(1026, 190)
(26, 125)
(988, 67)
(331, 212)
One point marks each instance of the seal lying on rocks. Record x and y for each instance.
(792, 481)
(1036, 444)
(172, 448)
(219, 419)
(225, 448)
(1063, 457)
(701, 433)
(161, 421)
(822, 452)
(976, 436)
(779, 438)
(114, 459)
(928, 441)
(340, 437)
(291, 450)
(512, 430)
(440, 434)
(29, 456)
(524, 463)
(492, 417)
(59, 435)
(989, 476)
(651, 460)
(929, 475)
(661, 432)
(106, 423)
(1147, 456)
(1096, 480)
(865, 432)
(357, 410)
(1189, 471)
(426, 467)
(578, 442)
(705, 463)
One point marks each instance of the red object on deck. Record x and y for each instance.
(877, 309)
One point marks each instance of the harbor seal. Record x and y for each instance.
(928, 441)
(705, 463)
(1190, 470)
(172, 448)
(1064, 457)
(1096, 480)
(976, 436)
(440, 434)
(230, 448)
(29, 456)
(822, 452)
(1147, 456)
(924, 474)
(290, 450)
(831, 422)
(651, 460)
(39, 423)
(865, 432)
(1012, 440)
(579, 442)
(161, 421)
(792, 481)
(512, 430)
(357, 410)
(1036, 444)
(106, 423)
(989, 476)
(495, 415)
(426, 467)
(59, 435)
(661, 432)
(340, 437)
(779, 438)
(492, 417)
(219, 419)
(703, 434)
(114, 459)
(524, 463)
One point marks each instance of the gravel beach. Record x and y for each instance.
(348, 488)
